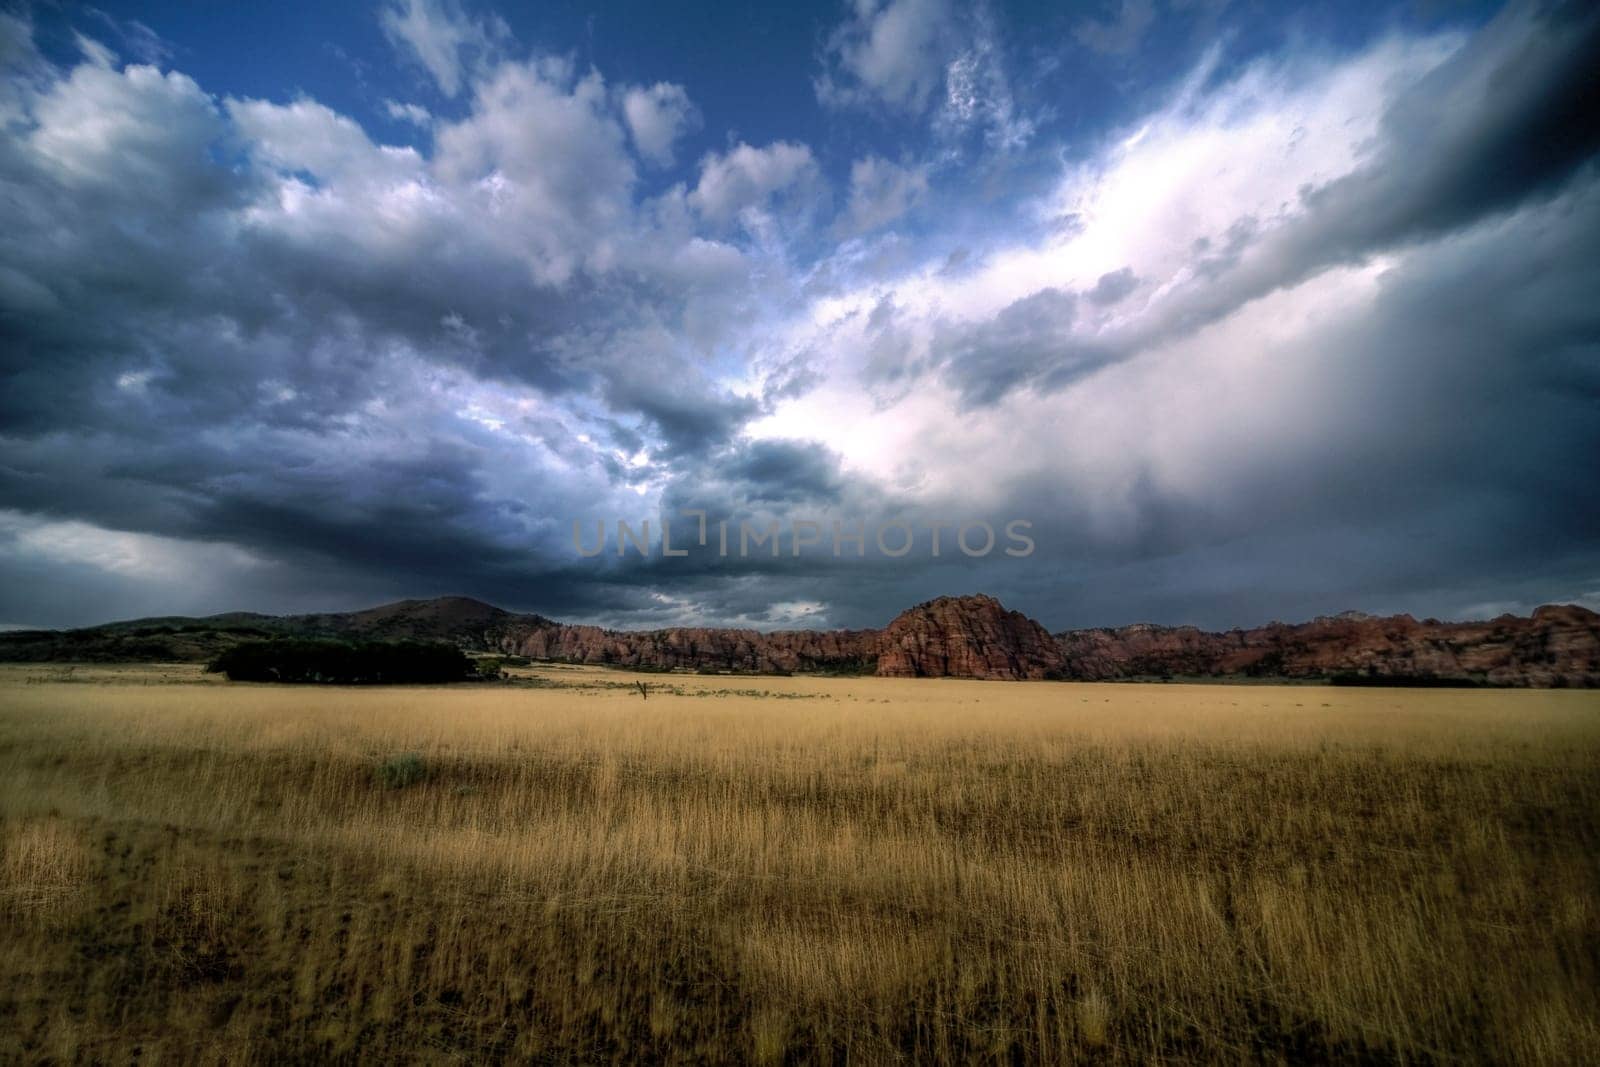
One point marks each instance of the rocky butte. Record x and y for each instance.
(966, 637)
(957, 637)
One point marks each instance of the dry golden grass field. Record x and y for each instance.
(765, 870)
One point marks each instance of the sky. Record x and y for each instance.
(1247, 311)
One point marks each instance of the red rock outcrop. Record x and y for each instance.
(963, 637)
(976, 637)
(1557, 645)
(967, 637)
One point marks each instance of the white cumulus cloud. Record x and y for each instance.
(657, 117)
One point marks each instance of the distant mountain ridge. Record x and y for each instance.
(960, 637)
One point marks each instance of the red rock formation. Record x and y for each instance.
(966, 637)
(1558, 645)
(976, 637)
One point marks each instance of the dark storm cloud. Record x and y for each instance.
(689, 420)
(1447, 445)
(1114, 287)
(150, 247)
(1509, 119)
(786, 471)
(988, 359)
(231, 321)
(765, 479)
(319, 372)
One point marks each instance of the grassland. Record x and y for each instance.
(868, 870)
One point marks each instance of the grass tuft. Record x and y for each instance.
(397, 772)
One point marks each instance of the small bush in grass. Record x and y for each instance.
(489, 668)
(397, 772)
(1094, 1018)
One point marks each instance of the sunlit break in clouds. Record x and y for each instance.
(1248, 312)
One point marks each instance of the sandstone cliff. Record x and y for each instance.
(976, 637)
(964, 637)
(1557, 645)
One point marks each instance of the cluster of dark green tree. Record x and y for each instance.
(345, 663)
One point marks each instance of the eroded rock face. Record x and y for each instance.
(960, 637)
(1557, 645)
(967, 637)
(976, 637)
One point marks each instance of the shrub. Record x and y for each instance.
(397, 772)
(488, 668)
